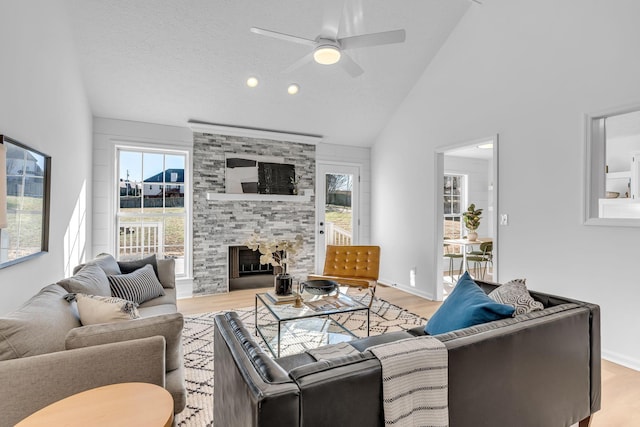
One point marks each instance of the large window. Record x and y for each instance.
(152, 214)
(453, 202)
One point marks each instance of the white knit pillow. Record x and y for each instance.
(94, 309)
(139, 286)
(515, 293)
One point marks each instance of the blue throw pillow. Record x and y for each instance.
(467, 305)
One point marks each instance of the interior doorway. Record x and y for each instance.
(337, 207)
(467, 173)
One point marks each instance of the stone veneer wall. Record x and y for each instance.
(219, 224)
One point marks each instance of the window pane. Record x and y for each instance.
(153, 168)
(153, 195)
(174, 198)
(130, 181)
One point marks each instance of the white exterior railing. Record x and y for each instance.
(137, 239)
(336, 235)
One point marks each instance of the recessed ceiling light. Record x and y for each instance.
(293, 89)
(252, 82)
(485, 146)
(326, 54)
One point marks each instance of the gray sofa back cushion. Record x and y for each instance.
(39, 326)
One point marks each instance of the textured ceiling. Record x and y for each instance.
(171, 61)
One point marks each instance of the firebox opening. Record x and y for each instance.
(245, 270)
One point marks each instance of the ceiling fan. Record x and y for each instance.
(328, 49)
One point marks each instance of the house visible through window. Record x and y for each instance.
(151, 214)
(453, 205)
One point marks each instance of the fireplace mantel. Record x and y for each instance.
(304, 197)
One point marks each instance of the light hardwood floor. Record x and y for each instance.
(620, 385)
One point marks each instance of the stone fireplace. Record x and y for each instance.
(220, 222)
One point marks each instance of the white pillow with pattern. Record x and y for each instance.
(515, 293)
(94, 309)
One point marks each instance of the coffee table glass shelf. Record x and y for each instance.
(291, 330)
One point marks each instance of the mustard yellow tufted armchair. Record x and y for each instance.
(355, 266)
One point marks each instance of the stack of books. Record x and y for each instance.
(281, 299)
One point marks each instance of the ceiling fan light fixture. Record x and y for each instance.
(326, 54)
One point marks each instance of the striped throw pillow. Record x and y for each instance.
(139, 286)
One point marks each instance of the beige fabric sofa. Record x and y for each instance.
(46, 354)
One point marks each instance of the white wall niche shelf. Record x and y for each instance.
(304, 197)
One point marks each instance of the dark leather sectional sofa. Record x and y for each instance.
(541, 369)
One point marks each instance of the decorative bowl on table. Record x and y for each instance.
(318, 287)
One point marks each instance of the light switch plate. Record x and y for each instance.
(504, 219)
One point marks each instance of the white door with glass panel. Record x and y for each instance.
(337, 199)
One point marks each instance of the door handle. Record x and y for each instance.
(321, 232)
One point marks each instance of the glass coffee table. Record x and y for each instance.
(287, 330)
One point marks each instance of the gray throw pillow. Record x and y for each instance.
(139, 286)
(90, 280)
(39, 326)
(127, 267)
(515, 293)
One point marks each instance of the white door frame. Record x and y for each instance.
(439, 195)
(323, 168)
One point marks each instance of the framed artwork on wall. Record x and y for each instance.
(24, 202)
(258, 175)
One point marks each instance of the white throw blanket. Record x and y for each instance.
(414, 382)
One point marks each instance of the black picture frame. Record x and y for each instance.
(28, 203)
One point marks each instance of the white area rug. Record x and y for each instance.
(198, 350)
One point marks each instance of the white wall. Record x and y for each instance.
(528, 71)
(43, 105)
(360, 156)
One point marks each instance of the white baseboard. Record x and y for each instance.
(621, 359)
(407, 289)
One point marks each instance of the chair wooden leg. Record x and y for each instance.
(372, 290)
(585, 422)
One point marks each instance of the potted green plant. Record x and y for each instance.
(471, 219)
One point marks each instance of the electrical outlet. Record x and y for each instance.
(504, 219)
(412, 277)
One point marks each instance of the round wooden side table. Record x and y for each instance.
(134, 404)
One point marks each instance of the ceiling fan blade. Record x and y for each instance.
(282, 36)
(350, 65)
(373, 39)
(331, 18)
(299, 63)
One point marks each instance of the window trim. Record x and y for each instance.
(164, 148)
(463, 199)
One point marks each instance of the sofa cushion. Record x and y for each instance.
(169, 297)
(39, 326)
(515, 294)
(90, 280)
(167, 273)
(168, 325)
(95, 309)
(127, 267)
(467, 305)
(139, 286)
(105, 261)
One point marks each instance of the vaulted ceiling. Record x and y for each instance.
(171, 61)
